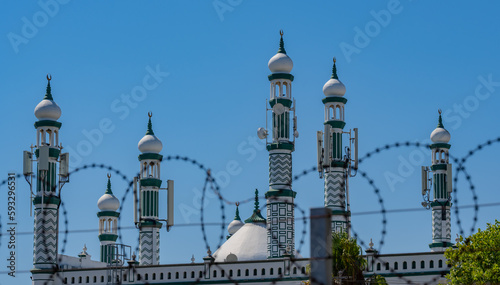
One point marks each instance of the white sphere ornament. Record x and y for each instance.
(108, 201)
(334, 87)
(440, 134)
(150, 143)
(280, 62)
(47, 109)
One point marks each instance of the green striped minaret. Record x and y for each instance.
(280, 197)
(108, 221)
(332, 160)
(150, 183)
(441, 204)
(46, 201)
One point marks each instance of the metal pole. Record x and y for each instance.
(321, 246)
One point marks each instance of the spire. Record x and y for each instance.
(334, 69)
(108, 190)
(48, 93)
(282, 44)
(237, 216)
(440, 123)
(150, 126)
(256, 216)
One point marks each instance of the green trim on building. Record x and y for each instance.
(340, 212)
(151, 182)
(47, 200)
(47, 123)
(53, 152)
(441, 166)
(440, 244)
(440, 204)
(335, 124)
(423, 273)
(108, 214)
(339, 163)
(108, 237)
(440, 145)
(150, 156)
(280, 193)
(273, 76)
(285, 102)
(334, 99)
(281, 145)
(151, 223)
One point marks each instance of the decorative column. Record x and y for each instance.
(108, 223)
(441, 188)
(280, 197)
(150, 183)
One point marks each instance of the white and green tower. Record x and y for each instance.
(441, 187)
(280, 197)
(108, 216)
(47, 199)
(149, 183)
(335, 162)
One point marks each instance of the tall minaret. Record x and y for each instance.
(331, 157)
(108, 221)
(150, 183)
(441, 178)
(47, 200)
(280, 197)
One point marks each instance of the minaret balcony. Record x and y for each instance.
(155, 182)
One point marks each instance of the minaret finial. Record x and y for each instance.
(282, 44)
(48, 93)
(440, 123)
(108, 190)
(150, 125)
(237, 216)
(257, 200)
(334, 69)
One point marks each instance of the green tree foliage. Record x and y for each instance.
(376, 280)
(347, 260)
(476, 260)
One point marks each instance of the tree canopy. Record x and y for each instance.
(476, 259)
(347, 260)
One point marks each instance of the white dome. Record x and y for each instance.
(280, 63)
(334, 87)
(108, 202)
(150, 144)
(440, 135)
(248, 243)
(234, 226)
(47, 110)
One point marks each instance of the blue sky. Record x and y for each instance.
(206, 69)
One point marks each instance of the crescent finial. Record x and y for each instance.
(237, 204)
(281, 32)
(49, 77)
(109, 175)
(150, 114)
(439, 111)
(334, 59)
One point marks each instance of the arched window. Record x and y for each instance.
(154, 276)
(230, 273)
(295, 270)
(124, 277)
(284, 90)
(255, 272)
(87, 280)
(176, 275)
(161, 276)
(238, 273)
(169, 275)
(271, 271)
(431, 264)
(405, 265)
(222, 273)
(215, 273)
(440, 263)
(413, 265)
(331, 113)
(378, 266)
(192, 274)
(72, 280)
(201, 274)
(387, 266)
(80, 279)
(277, 90)
(95, 279)
(422, 264)
(102, 278)
(184, 275)
(338, 114)
(247, 272)
(65, 280)
(395, 266)
(279, 271)
(303, 270)
(138, 277)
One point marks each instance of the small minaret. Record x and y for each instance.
(150, 183)
(236, 224)
(256, 216)
(441, 188)
(280, 197)
(47, 200)
(334, 164)
(108, 216)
